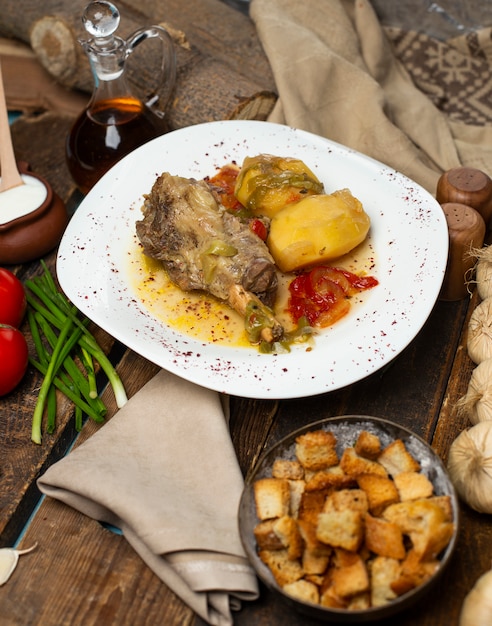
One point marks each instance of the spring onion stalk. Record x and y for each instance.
(77, 378)
(91, 374)
(70, 393)
(44, 356)
(51, 311)
(46, 384)
(61, 309)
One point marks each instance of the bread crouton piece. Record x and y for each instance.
(368, 445)
(381, 491)
(343, 529)
(303, 590)
(283, 569)
(351, 580)
(272, 497)
(265, 536)
(330, 478)
(316, 555)
(311, 505)
(296, 490)
(413, 485)
(396, 459)
(360, 602)
(329, 599)
(316, 450)
(355, 465)
(414, 572)
(383, 571)
(288, 532)
(445, 503)
(353, 499)
(283, 468)
(384, 538)
(425, 522)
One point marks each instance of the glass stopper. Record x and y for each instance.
(101, 18)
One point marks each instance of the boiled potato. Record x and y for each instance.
(267, 183)
(317, 229)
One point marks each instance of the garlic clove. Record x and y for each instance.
(8, 561)
(479, 342)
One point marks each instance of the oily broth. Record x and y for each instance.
(205, 318)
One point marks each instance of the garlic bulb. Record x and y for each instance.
(479, 342)
(476, 404)
(483, 271)
(470, 466)
(477, 606)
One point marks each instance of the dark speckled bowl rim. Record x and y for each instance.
(388, 429)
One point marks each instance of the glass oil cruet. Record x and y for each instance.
(115, 121)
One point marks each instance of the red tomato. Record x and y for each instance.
(259, 228)
(12, 299)
(13, 358)
(322, 294)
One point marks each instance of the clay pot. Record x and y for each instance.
(31, 236)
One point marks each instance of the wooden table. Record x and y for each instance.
(81, 573)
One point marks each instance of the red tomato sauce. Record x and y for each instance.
(322, 295)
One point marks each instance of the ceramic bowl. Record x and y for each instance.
(33, 235)
(346, 429)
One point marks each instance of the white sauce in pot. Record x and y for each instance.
(23, 199)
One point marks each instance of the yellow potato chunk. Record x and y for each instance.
(267, 183)
(317, 229)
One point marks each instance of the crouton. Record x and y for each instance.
(368, 445)
(383, 571)
(311, 505)
(384, 538)
(413, 485)
(287, 531)
(351, 580)
(330, 478)
(284, 570)
(296, 490)
(283, 468)
(266, 539)
(414, 572)
(317, 450)
(380, 491)
(360, 602)
(303, 590)
(396, 459)
(272, 497)
(424, 521)
(329, 599)
(342, 529)
(444, 502)
(311, 541)
(355, 465)
(354, 499)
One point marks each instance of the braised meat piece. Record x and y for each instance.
(203, 247)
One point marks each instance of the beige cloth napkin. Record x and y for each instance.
(164, 471)
(337, 76)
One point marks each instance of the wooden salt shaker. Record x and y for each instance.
(469, 186)
(466, 230)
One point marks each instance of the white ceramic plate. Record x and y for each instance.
(408, 231)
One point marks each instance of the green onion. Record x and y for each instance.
(53, 315)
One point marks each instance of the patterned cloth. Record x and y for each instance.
(456, 75)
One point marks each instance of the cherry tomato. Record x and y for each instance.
(259, 228)
(12, 299)
(13, 358)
